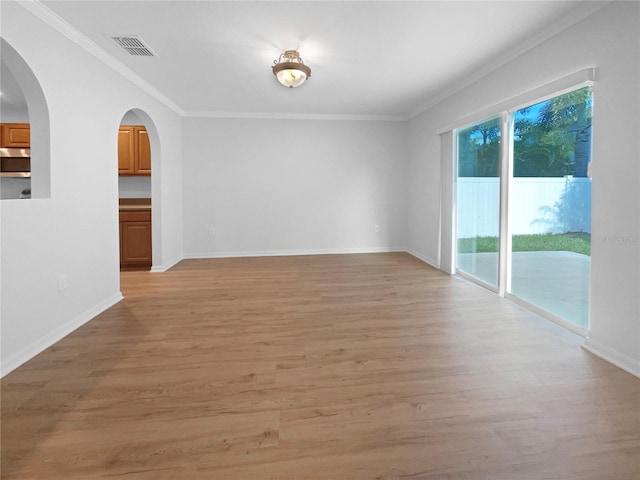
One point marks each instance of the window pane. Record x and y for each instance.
(551, 205)
(478, 200)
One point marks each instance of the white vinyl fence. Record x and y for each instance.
(538, 205)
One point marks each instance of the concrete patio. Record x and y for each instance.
(557, 282)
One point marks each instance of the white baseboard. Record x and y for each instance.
(425, 259)
(33, 349)
(287, 253)
(618, 359)
(166, 266)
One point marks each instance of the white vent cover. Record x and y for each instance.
(133, 45)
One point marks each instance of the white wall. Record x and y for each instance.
(14, 109)
(608, 40)
(75, 231)
(134, 187)
(10, 116)
(269, 187)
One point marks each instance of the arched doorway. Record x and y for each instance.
(24, 106)
(138, 149)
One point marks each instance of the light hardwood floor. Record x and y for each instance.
(333, 366)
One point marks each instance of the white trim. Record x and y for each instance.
(296, 116)
(620, 360)
(428, 260)
(53, 20)
(582, 78)
(447, 199)
(166, 266)
(562, 322)
(506, 181)
(570, 83)
(584, 10)
(588, 9)
(27, 353)
(291, 253)
(462, 275)
(282, 253)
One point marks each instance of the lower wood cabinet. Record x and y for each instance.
(135, 239)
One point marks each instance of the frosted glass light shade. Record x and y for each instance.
(290, 70)
(291, 77)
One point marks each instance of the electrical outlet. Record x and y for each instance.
(63, 282)
(212, 232)
(376, 228)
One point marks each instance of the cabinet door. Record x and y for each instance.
(15, 135)
(143, 152)
(126, 151)
(135, 245)
(122, 246)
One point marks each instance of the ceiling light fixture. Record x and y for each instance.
(290, 70)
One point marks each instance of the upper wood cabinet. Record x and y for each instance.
(126, 151)
(15, 135)
(134, 150)
(143, 153)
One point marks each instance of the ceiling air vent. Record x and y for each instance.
(133, 45)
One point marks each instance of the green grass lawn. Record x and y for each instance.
(564, 242)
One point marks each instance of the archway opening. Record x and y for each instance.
(26, 166)
(138, 157)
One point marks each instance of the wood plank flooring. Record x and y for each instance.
(332, 366)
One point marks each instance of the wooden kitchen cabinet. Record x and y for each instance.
(135, 239)
(15, 135)
(126, 152)
(134, 150)
(143, 151)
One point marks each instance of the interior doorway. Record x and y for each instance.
(135, 192)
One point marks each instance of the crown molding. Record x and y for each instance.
(39, 10)
(50, 18)
(585, 10)
(56, 22)
(574, 81)
(296, 116)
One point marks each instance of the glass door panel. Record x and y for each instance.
(478, 200)
(551, 206)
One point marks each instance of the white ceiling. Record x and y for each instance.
(368, 58)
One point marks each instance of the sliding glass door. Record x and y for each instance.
(551, 206)
(547, 193)
(478, 200)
